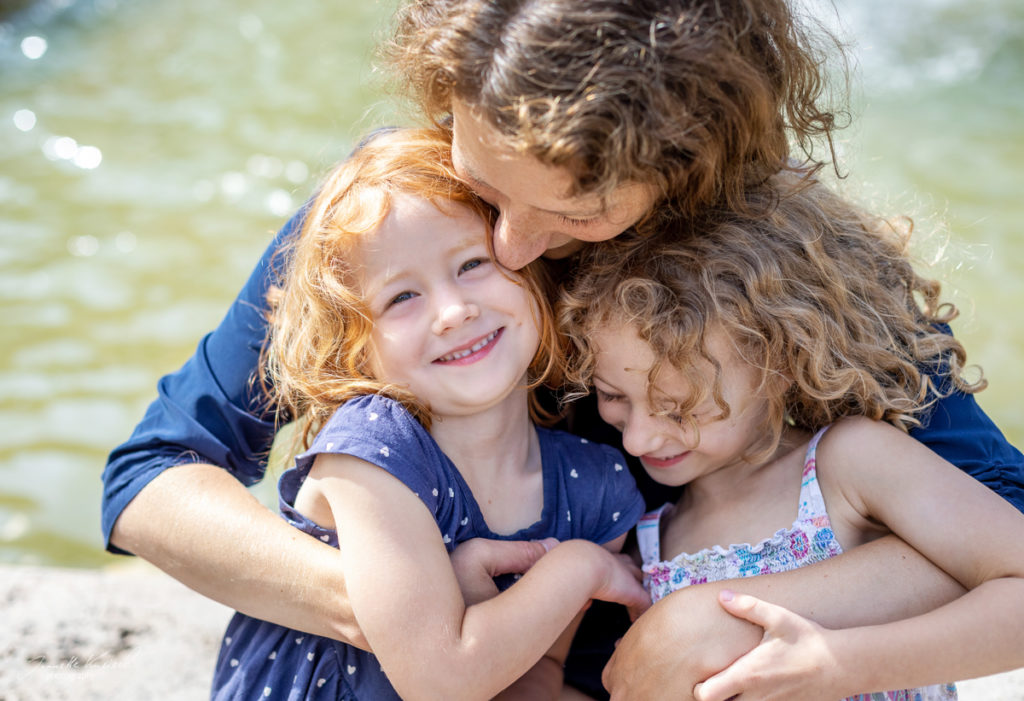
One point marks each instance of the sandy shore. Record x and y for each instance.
(131, 633)
(128, 633)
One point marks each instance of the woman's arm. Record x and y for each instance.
(200, 525)
(960, 432)
(174, 495)
(687, 636)
(404, 592)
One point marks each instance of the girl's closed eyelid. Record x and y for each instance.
(607, 396)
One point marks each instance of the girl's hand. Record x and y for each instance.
(793, 660)
(622, 585)
(478, 561)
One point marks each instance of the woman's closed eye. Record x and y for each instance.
(572, 221)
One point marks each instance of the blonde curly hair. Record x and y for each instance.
(815, 291)
(315, 356)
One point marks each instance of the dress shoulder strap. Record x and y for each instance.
(648, 535)
(812, 503)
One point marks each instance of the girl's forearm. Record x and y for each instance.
(200, 525)
(978, 634)
(499, 640)
(546, 679)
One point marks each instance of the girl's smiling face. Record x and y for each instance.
(670, 449)
(449, 324)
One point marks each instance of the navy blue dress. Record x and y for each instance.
(588, 493)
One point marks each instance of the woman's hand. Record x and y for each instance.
(687, 637)
(793, 660)
(682, 640)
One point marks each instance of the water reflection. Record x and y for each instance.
(149, 150)
(33, 47)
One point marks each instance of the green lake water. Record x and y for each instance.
(148, 151)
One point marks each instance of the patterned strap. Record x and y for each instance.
(648, 535)
(812, 503)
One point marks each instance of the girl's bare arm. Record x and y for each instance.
(405, 594)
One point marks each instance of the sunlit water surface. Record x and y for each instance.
(149, 150)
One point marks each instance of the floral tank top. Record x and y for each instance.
(810, 539)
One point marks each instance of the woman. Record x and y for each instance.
(575, 119)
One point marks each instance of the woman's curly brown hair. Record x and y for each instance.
(699, 98)
(816, 291)
(319, 331)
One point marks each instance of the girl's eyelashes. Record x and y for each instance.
(401, 297)
(603, 396)
(473, 263)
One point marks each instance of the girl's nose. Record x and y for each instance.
(642, 434)
(515, 244)
(452, 313)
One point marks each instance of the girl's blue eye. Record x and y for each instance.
(470, 264)
(397, 299)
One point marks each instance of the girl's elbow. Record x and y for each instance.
(451, 687)
(455, 676)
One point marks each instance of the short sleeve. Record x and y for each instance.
(601, 500)
(208, 411)
(622, 505)
(382, 432)
(959, 430)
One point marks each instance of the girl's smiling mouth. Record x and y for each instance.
(662, 463)
(473, 351)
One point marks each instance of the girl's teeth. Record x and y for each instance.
(472, 349)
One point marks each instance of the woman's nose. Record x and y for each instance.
(515, 241)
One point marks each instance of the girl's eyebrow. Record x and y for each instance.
(595, 379)
(464, 244)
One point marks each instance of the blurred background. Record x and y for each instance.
(148, 151)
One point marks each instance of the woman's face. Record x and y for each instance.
(536, 216)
